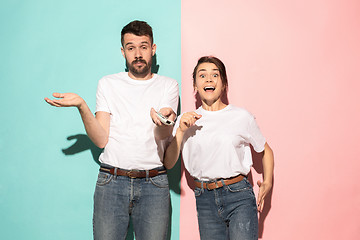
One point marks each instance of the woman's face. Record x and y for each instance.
(208, 82)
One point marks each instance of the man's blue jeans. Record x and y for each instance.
(229, 212)
(146, 200)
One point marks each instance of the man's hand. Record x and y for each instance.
(264, 189)
(166, 112)
(66, 100)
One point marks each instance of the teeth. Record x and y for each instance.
(209, 88)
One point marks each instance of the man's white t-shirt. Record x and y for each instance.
(132, 143)
(218, 145)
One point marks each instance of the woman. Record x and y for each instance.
(215, 143)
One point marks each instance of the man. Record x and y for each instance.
(132, 180)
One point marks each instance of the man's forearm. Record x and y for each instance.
(95, 129)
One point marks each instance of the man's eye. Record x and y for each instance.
(202, 76)
(215, 75)
(144, 47)
(130, 48)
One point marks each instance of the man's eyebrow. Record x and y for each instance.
(144, 42)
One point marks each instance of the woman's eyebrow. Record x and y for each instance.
(215, 69)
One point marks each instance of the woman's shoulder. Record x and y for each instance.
(239, 110)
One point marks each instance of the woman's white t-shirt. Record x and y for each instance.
(218, 145)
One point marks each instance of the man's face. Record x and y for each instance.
(138, 53)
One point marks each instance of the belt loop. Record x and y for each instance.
(147, 175)
(115, 172)
(223, 183)
(202, 185)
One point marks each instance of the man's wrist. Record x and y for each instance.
(82, 105)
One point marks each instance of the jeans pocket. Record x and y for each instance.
(160, 181)
(103, 179)
(243, 185)
(198, 192)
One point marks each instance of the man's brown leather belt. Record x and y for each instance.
(133, 173)
(218, 183)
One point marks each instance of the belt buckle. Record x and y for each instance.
(130, 174)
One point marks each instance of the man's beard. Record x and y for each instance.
(144, 70)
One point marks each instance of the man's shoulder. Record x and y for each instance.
(166, 79)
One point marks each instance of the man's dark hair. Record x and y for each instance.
(218, 63)
(138, 28)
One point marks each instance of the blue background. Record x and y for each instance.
(46, 187)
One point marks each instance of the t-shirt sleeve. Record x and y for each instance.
(255, 137)
(101, 103)
(176, 125)
(171, 96)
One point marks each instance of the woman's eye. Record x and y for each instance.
(215, 75)
(202, 76)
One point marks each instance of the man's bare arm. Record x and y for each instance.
(97, 128)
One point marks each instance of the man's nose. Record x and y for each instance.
(138, 53)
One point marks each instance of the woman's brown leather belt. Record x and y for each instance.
(218, 184)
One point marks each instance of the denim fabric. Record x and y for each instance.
(145, 200)
(229, 212)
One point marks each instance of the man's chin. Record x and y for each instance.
(143, 70)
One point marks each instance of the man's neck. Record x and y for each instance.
(145, 76)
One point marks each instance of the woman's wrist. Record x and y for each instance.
(179, 132)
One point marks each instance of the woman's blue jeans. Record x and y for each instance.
(229, 212)
(145, 200)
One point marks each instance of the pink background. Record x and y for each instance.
(296, 66)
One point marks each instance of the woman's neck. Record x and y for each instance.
(214, 106)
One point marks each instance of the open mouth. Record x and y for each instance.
(209, 89)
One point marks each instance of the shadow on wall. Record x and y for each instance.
(83, 143)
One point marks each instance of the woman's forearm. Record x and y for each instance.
(268, 164)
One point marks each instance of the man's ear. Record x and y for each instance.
(153, 49)
(123, 52)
